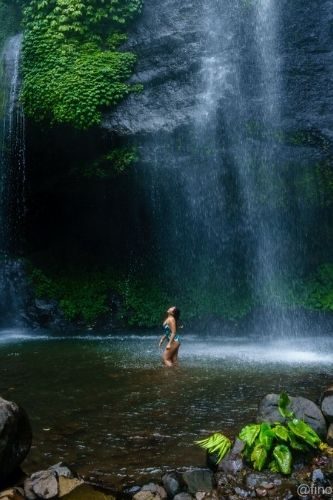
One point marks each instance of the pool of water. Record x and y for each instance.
(107, 406)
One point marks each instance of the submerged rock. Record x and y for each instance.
(233, 462)
(303, 408)
(16, 437)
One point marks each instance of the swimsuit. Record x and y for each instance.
(167, 333)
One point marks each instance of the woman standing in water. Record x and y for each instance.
(170, 355)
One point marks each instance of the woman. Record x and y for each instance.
(170, 355)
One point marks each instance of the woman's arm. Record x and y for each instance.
(162, 340)
(173, 328)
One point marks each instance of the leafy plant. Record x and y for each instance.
(216, 443)
(72, 65)
(270, 445)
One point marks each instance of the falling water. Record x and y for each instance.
(216, 183)
(12, 171)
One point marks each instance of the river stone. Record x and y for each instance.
(62, 470)
(172, 483)
(326, 403)
(198, 480)
(303, 408)
(15, 437)
(155, 488)
(44, 484)
(183, 496)
(233, 461)
(12, 494)
(146, 495)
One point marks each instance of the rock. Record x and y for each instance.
(303, 408)
(233, 462)
(172, 483)
(131, 491)
(183, 496)
(261, 492)
(329, 437)
(155, 488)
(12, 494)
(317, 476)
(242, 493)
(198, 480)
(146, 495)
(86, 492)
(258, 479)
(16, 437)
(326, 403)
(44, 484)
(62, 470)
(66, 485)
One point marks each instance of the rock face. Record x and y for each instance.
(15, 437)
(302, 407)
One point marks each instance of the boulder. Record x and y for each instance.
(172, 483)
(16, 437)
(303, 408)
(326, 403)
(198, 480)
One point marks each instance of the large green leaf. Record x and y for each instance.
(259, 457)
(266, 436)
(281, 432)
(283, 457)
(305, 432)
(284, 402)
(249, 433)
(296, 444)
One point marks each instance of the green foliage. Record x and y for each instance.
(268, 445)
(317, 292)
(114, 163)
(71, 65)
(284, 402)
(80, 297)
(216, 444)
(283, 457)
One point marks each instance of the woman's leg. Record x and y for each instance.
(175, 354)
(168, 354)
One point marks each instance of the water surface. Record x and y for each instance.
(107, 406)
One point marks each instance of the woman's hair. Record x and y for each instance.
(176, 313)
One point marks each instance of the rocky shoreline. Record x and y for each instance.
(231, 479)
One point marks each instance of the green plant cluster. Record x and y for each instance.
(269, 445)
(317, 293)
(72, 67)
(114, 163)
(80, 297)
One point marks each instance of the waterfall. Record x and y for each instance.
(12, 171)
(221, 176)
